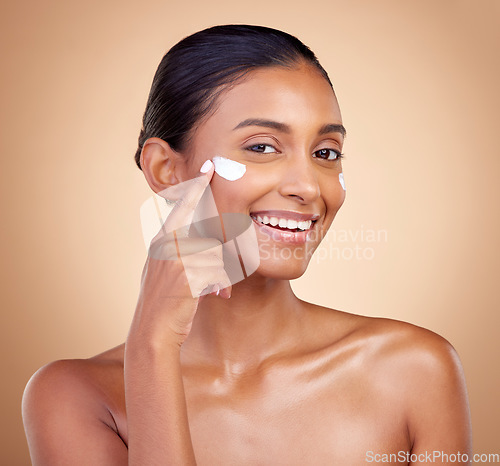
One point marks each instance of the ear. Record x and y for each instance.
(160, 164)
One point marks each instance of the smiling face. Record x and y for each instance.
(285, 126)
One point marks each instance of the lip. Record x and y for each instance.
(288, 237)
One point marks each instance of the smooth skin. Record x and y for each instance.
(254, 376)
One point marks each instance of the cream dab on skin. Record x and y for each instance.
(341, 179)
(228, 169)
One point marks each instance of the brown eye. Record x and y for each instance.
(327, 154)
(262, 148)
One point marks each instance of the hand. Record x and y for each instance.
(179, 269)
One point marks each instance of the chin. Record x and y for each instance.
(282, 270)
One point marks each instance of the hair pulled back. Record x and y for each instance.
(197, 69)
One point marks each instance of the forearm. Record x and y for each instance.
(158, 429)
(156, 405)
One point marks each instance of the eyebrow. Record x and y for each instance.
(284, 128)
(333, 128)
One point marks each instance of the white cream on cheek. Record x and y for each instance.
(228, 169)
(341, 179)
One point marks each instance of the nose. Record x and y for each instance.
(299, 179)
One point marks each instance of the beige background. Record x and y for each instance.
(418, 87)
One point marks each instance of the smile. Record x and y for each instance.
(284, 225)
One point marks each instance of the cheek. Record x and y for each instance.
(232, 196)
(341, 199)
(240, 194)
(334, 197)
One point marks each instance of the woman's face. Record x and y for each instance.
(285, 126)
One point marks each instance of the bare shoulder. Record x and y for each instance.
(406, 358)
(79, 378)
(71, 400)
(414, 350)
(385, 340)
(423, 370)
(413, 370)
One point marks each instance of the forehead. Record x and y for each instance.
(296, 96)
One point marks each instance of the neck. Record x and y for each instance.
(260, 319)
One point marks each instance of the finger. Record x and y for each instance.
(170, 247)
(199, 246)
(205, 269)
(226, 292)
(186, 195)
(201, 285)
(220, 289)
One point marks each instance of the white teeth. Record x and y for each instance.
(284, 223)
(304, 225)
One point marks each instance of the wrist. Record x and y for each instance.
(153, 345)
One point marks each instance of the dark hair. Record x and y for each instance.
(196, 70)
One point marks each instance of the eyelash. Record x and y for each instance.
(336, 152)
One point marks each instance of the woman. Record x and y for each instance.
(220, 371)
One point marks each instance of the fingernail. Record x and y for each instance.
(206, 166)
